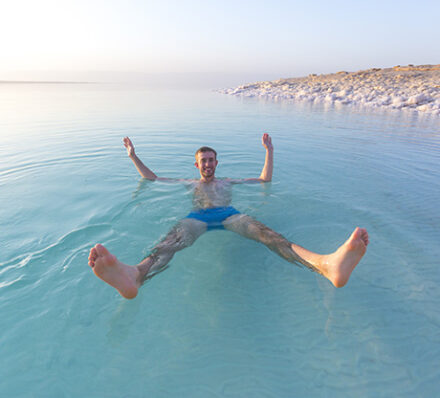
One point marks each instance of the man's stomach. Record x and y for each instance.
(210, 204)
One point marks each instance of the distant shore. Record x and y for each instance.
(409, 87)
(41, 82)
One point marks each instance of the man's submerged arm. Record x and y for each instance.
(266, 173)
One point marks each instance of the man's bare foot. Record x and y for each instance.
(122, 277)
(338, 266)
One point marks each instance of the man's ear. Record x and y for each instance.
(196, 164)
(216, 162)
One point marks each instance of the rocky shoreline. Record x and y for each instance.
(415, 88)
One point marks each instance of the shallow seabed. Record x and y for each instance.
(228, 318)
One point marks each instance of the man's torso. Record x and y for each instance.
(216, 193)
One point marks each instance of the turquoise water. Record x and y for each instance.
(228, 318)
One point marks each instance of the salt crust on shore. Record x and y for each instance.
(415, 88)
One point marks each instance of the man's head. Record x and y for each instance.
(206, 162)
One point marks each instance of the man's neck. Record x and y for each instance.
(207, 180)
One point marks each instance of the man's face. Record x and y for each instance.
(206, 163)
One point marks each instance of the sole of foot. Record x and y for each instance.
(118, 275)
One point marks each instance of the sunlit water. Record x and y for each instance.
(228, 318)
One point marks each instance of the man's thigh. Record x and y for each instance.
(183, 234)
(250, 228)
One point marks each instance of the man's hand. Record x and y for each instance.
(267, 142)
(129, 146)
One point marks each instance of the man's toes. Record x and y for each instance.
(93, 254)
(365, 237)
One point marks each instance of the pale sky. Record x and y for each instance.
(78, 39)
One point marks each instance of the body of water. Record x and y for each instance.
(228, 318)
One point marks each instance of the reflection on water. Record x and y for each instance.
(228, 316)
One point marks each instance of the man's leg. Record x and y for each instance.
(127, 279)
(336, 267)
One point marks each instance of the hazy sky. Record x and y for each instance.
(247, 38)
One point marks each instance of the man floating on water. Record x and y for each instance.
(213, 210)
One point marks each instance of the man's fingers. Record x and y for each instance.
(266, 139)
(127, 142)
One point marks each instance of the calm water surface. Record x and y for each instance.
(228, 318)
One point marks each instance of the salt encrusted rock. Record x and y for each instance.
(401, 87)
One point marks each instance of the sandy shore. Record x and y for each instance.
(415, 88)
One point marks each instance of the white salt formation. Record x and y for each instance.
(409, 87)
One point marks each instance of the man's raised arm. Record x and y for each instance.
(144, 171)
(266, 173)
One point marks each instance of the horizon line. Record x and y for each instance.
(44, 82)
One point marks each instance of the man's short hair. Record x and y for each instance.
(206, 149)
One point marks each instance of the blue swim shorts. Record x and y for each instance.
(213, 216)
